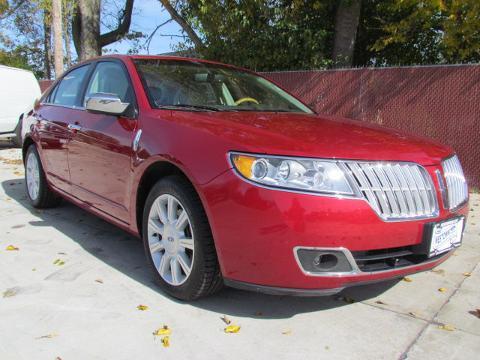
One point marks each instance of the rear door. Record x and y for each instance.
(101, 149)
(53, 121)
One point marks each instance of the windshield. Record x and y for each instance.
(199, 86)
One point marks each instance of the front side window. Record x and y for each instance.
(178, 83)
(110, 78)
(67, 91)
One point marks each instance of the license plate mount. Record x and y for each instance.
(445, 236)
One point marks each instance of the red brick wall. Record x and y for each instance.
(439, 102)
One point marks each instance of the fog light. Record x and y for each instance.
(317, 261)
(325, 261)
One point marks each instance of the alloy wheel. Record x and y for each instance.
(170, 239)
(32, 175)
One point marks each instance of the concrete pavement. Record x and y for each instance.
(86, 308)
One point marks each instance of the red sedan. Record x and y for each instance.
(228, 179)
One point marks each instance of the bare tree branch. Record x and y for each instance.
(123, 26)
(184, 25)
(149, 39)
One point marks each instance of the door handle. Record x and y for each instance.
(74, 127)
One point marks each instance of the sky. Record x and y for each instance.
(147, 15)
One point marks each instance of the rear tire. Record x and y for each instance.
(38, 190)
(178, 241)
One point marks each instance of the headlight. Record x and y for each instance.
(298, 174)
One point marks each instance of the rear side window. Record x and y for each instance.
(68, 90)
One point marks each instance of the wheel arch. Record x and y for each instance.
(26, 144)
(152, 174)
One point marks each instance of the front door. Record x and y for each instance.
(101, 149)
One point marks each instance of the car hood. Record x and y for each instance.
(313, 136)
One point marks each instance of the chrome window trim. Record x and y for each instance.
(81, 108)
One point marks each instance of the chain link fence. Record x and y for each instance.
(438, 102)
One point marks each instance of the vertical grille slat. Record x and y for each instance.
(457, 189)
(402, 201)
(364, 185)
(395, 190)
(405, 188)
(377, 187)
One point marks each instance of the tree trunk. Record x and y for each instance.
(86, 28)
(47, 44)
(67, 15)
(346, 25)
(57, 20)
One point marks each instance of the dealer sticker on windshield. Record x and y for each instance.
(446, 235)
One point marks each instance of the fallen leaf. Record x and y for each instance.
(232, 329)
(10, 292)
(407, 279)
(34, 269)
(226, 320)
(442, 289)
(380, 302)
(99, 281)
(467, 274)
(348, 300)
(414, 314)
(48, 336)
(287, 332)
(59, 262)
(142, 307)
(162, 331)
(475, 312)
(12, 248)
(439, 271)
(166, 341)
(61, 253)
(446, 327)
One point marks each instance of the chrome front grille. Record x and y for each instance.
(457, 189)
(396, 191)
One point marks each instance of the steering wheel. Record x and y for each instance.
(246, 99)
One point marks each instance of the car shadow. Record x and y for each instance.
(124, 252)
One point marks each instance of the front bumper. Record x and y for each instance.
(389, 275)
(256, 231)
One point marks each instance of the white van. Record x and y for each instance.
(18, 91)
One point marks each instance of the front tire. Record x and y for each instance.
(38, 191)
(178, 241)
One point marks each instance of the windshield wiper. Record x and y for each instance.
(190, 107)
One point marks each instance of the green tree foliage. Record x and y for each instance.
(409, 32)
(296, 34)
(16, 58)
(263, 35)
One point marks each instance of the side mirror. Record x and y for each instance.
(106, 104)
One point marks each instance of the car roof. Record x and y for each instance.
(162, 57)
